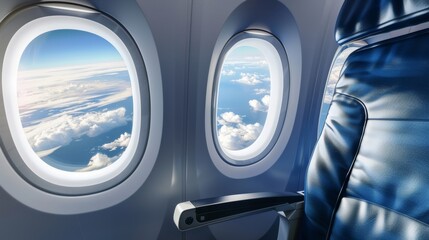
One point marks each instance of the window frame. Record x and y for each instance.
(341, 49)
(244, 157)
(15, 145)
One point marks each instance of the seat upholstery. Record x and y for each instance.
(369, 174)
(359, 19)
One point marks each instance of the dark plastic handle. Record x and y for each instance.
(203, 212)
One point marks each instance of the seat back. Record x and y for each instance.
(369, 174)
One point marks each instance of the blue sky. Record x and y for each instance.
(243, 97)
(65, 48)
(244, 52)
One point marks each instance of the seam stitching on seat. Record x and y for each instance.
(346, 179)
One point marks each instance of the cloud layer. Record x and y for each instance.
(71, 89)
(62, 104)
(61, 131)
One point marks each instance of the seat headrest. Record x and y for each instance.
(362, 18)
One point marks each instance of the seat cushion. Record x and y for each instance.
(374, 148)
(358, 220)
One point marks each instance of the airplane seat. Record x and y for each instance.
(368, 175)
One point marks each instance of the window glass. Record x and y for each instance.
(75, 100)
(333, 77)
(243, 98)
(249, 97)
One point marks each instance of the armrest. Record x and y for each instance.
(193, 214)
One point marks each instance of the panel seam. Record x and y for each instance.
(185, 160)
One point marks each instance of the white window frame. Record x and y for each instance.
(271, 53)
(342, 52)
(23, 184)
(17, 45)
(261, 156)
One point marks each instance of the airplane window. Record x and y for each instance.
(249, 95)
(333, 77)
(76, 105)
(75, 100)
(81, 107)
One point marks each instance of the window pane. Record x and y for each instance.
(75, 100)
(243, 97)
(333, 78)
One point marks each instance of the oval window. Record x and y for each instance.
(334, 76)
(76, 105)
(76, 125)
(249, 99)
(75, 100)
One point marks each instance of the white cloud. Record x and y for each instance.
(239, 136)
(98, 161)
(227, 72)
(121, 142)
(256, 105)
(261, 106)
(61, 131)
(248, 79)
(266, 100)
(48, 152)
(260, 91)
(234, 134)
(229, 117)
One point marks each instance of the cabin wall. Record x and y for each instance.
(186, 36)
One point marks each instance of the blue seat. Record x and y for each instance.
(369, 174)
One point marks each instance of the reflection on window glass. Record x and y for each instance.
(334, 76)
(75, 100)
(243, 97)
